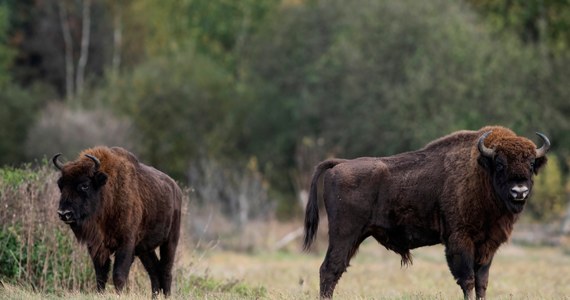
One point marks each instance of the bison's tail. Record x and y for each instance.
(312, 210)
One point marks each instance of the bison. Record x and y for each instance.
(116, 205)
(464, 190)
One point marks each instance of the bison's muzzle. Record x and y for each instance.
(66, 216)
(519, 192)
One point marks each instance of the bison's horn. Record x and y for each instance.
(56, 161)
(95, 160)
(487, 152)
(540, 152)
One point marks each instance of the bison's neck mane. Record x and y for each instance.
(89, 233)
(100, 231)
(491, 220)
(474, 208)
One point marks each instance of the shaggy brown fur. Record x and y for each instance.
(124, 208)
(446, 192)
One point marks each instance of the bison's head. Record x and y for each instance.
(511, 162)
(80, 185)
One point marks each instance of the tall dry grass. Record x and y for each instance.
(36, 249)
(39, 255)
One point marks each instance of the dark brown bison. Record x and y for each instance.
(116, 205)
(464, 190)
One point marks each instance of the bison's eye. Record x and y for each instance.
(499, 166)
(84, 187)
(532, 165)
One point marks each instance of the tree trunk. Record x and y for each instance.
(85, 35)
(117, 40)
(69, 89)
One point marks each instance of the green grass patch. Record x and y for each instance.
(202, 286)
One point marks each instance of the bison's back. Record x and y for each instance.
(397, 199)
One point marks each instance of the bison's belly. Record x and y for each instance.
(403, 238)
(153, 237)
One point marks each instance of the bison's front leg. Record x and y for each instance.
(123, 260)
(460, 258)
(102, 264)
(481, 279)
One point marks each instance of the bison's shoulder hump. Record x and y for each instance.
(453, 139)
(126, 153)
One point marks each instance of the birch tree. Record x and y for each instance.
(68, 50)
(75, 75)
(84, 54)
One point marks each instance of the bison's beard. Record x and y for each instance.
(515, 207)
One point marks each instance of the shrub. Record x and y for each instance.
(227, 198)
(36, 250)
(17, 111)
(548, 196)
(65, 130)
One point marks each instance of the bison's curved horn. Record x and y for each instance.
(56, 161)
(540, 152)
(487, 152)
(95, 160)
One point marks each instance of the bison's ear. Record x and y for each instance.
(539, 163)
(99, 179)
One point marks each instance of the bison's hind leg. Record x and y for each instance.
(152, 267)
(337, 259)
(167, 253)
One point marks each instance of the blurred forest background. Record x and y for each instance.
(238, 100)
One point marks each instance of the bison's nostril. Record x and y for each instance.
(519, 192)
(519, 189)
(64, 215)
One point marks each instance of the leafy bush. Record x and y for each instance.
(17, 111)
(180, 106)
(60, 129)
(382, 77)
(548, 201)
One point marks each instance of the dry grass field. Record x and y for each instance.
(375, 273)
(517, 273)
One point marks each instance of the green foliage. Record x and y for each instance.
(9, 246)
(13, 177)
(219, 29)
(18, 110)
(548, 201)
(6, 53)
(532, 20)
(384, 77)
(233, 80)
(222, 28)
(181, 105)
